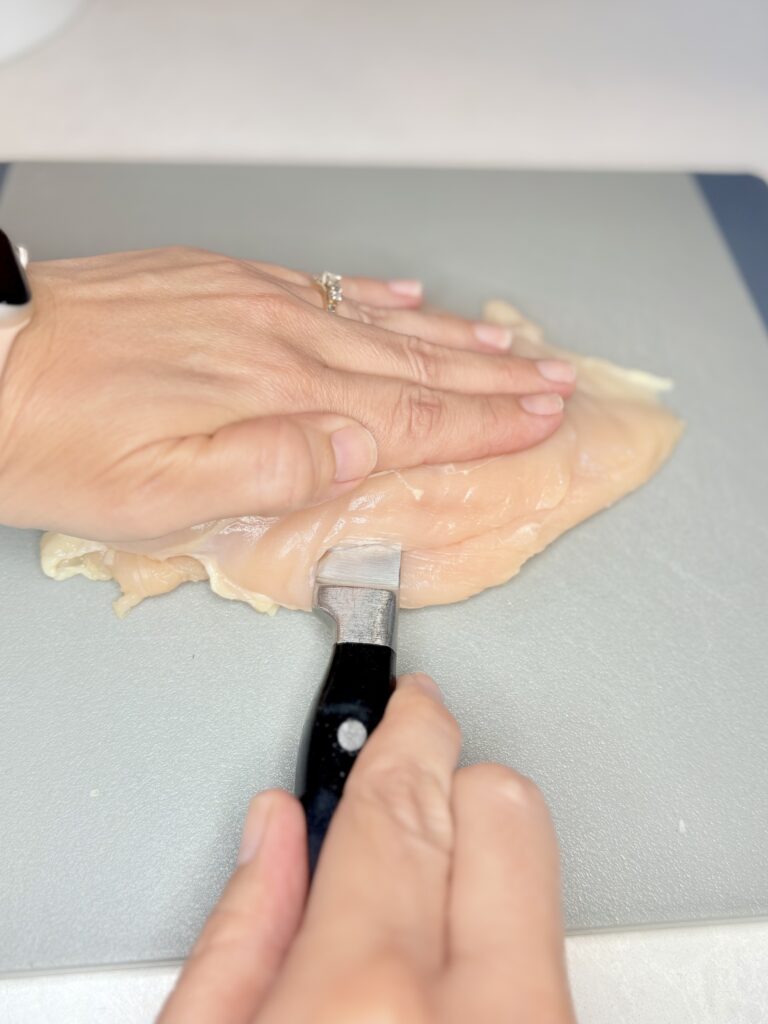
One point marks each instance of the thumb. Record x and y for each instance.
(245, 940)
(264, 466)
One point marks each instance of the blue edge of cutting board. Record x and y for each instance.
(739, 205)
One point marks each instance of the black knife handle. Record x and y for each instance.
(359, 682)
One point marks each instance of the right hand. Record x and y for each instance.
(156, 390)
(436, 898)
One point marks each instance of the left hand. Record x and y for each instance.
(156, 390)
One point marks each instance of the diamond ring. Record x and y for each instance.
(331, 287)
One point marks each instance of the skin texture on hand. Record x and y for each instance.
(156, 390)
(436, 898)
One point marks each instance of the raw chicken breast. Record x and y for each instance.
(462, 527)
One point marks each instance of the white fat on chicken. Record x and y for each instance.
(463, 527)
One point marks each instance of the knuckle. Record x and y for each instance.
(422, 360)
(419, 411)
(409, 795)
(506, 785)
(193, 259)
(521, 791)
(184, 253)
(495, 420)
(228, 267)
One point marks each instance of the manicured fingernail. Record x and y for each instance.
(422, 682)
(556, 370)
(542, 405)
(491, 334)
(253, 830)
(356, 453)
(408, 289)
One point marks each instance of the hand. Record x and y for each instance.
(436, 898)
(160, 389)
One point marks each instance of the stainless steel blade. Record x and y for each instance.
(373, 565)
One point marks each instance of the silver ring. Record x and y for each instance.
(331, 287)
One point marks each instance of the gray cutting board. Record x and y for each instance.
(624, 669)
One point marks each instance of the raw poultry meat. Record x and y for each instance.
(463, 527)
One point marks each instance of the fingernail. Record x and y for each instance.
(356, 453)
(253, 830)
(491, 334)
(422, 682)
(556, 370)
(542, 405)
(409, 289)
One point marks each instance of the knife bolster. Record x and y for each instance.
(362, 615)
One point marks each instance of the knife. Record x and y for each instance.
(357, 586)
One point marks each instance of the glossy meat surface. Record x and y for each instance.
(463, 527)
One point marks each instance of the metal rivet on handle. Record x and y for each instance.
(351, 735)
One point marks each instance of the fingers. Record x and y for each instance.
(443, 329)
(381, 882)
(263, 466)
(363, 349)
(370, 291)
(415, 425)
(425, 404)
(245, 940)
(506, 932)
(274, 464)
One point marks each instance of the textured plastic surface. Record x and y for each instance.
(624, 669)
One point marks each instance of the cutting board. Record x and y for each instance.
(624, 669)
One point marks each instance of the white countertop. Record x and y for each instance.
(662, 84)
(673, 84)
(701, 975)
